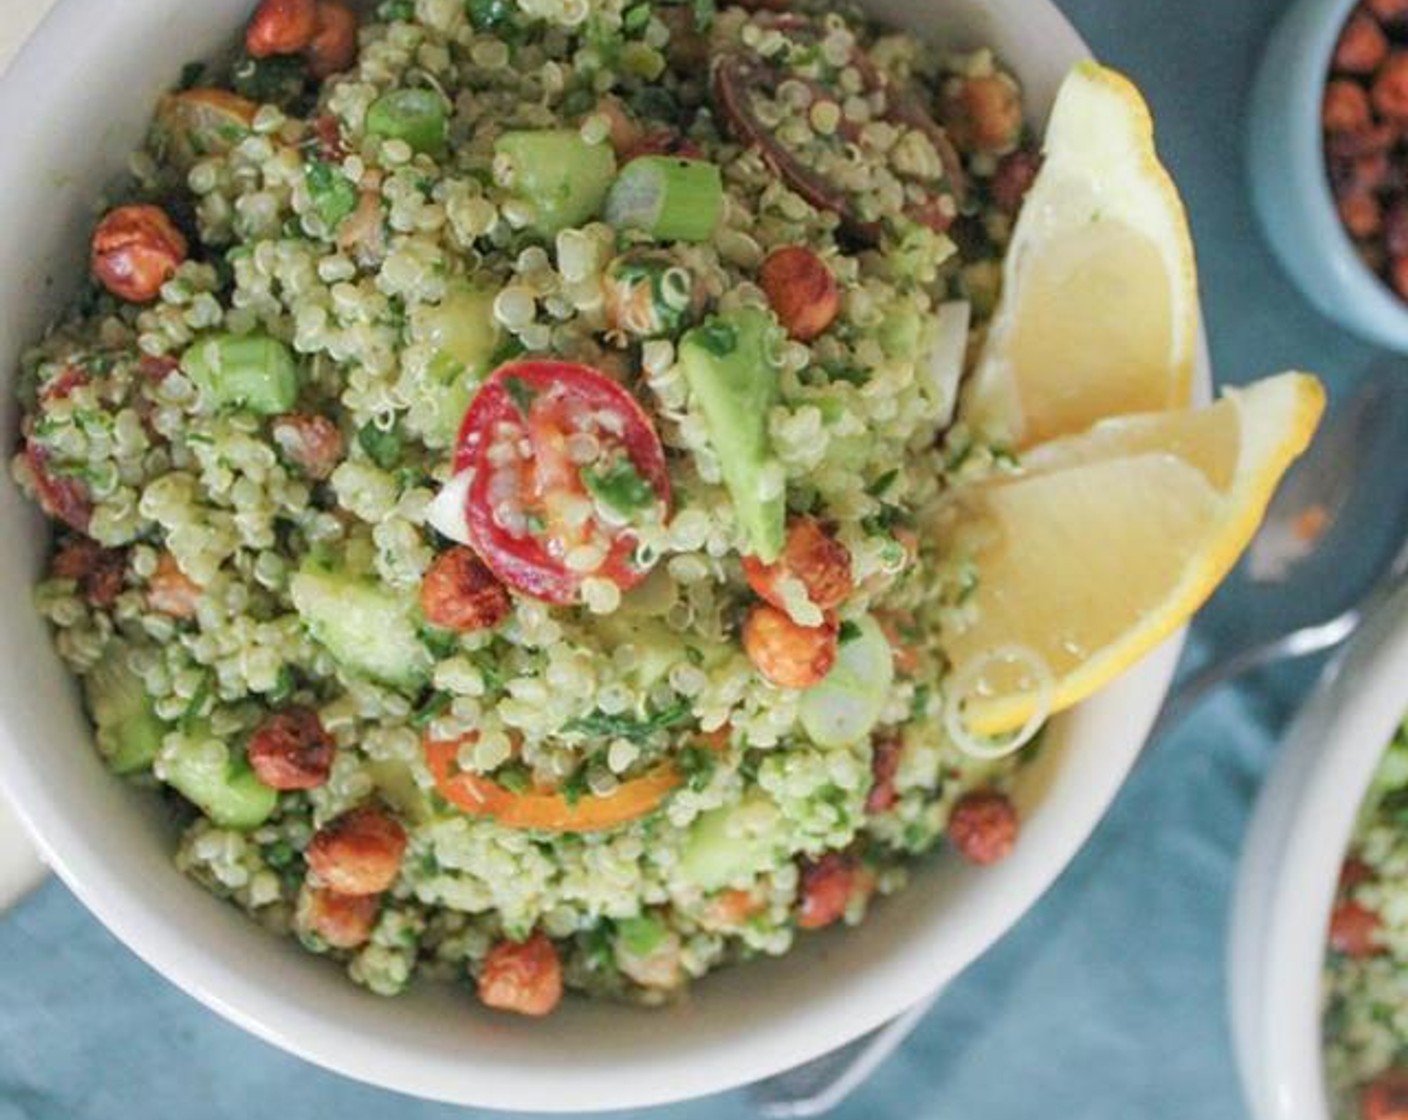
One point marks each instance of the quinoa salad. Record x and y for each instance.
(1366, 970)
(490, 465)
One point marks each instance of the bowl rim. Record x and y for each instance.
(247, 997)
(1290, 865)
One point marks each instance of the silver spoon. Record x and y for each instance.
(1323, 509)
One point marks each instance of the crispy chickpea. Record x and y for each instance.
(1386, 1097)
(825, 889)
(812, 557)
(343, 921)
(98, 571)
(281, 27)
(1390, 88)
(291, 750)
(523, 977)
(983, 114)
(1354, 930)
(312, 443)
(1363, 46)
(801, 291)
(1346, 107)
(884, 766)
(136, 249)
(333, 47)
(788, 655)
(1361, 214)
(983, 827)
(459, 593)
(170, 591)
(359, 852)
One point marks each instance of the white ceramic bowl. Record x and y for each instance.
(1290, 183)
(76, 102)
(1291, 863)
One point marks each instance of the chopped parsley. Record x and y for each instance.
(619, 488)
(332, 193)
(633, 730)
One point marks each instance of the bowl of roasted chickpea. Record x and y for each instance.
(1328, 159)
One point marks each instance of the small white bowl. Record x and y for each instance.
(1291, 184)
(1291, 862)
(76, 102)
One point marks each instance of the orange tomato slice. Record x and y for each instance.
(548, 812)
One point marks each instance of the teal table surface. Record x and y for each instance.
(1107, 1001)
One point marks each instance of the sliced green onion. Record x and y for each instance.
(564, 177)
(417, 116)
(251, 371)
(669, 198)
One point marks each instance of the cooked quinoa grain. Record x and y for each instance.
(422, 462)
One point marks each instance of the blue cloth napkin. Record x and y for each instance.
(1107, 1002)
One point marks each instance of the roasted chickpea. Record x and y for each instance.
(333, 47)
(788, 655)
(983, 827)
(523, 977)
(825, 889)
(801, 291)
(281, 27)
(459, 593)
(814, 558)
(1363, 46)
(291, 750)
(359, 852)
(342, 921)
(136, 249)
(1390, 89)
(1361, 214)
(1354, 930)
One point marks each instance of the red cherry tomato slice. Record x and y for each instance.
(526, 498)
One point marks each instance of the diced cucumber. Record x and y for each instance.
(731, 366)
(642, 935)
(730, 846)
(250, 371)
(367, 628)
(129, 730)
(217, 780)
(417, 116)
(846, 705)
(564, 177)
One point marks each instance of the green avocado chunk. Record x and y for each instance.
(129, 730)
(732, 371)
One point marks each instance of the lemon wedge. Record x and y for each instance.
(1106, 542)
(1099, 308)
